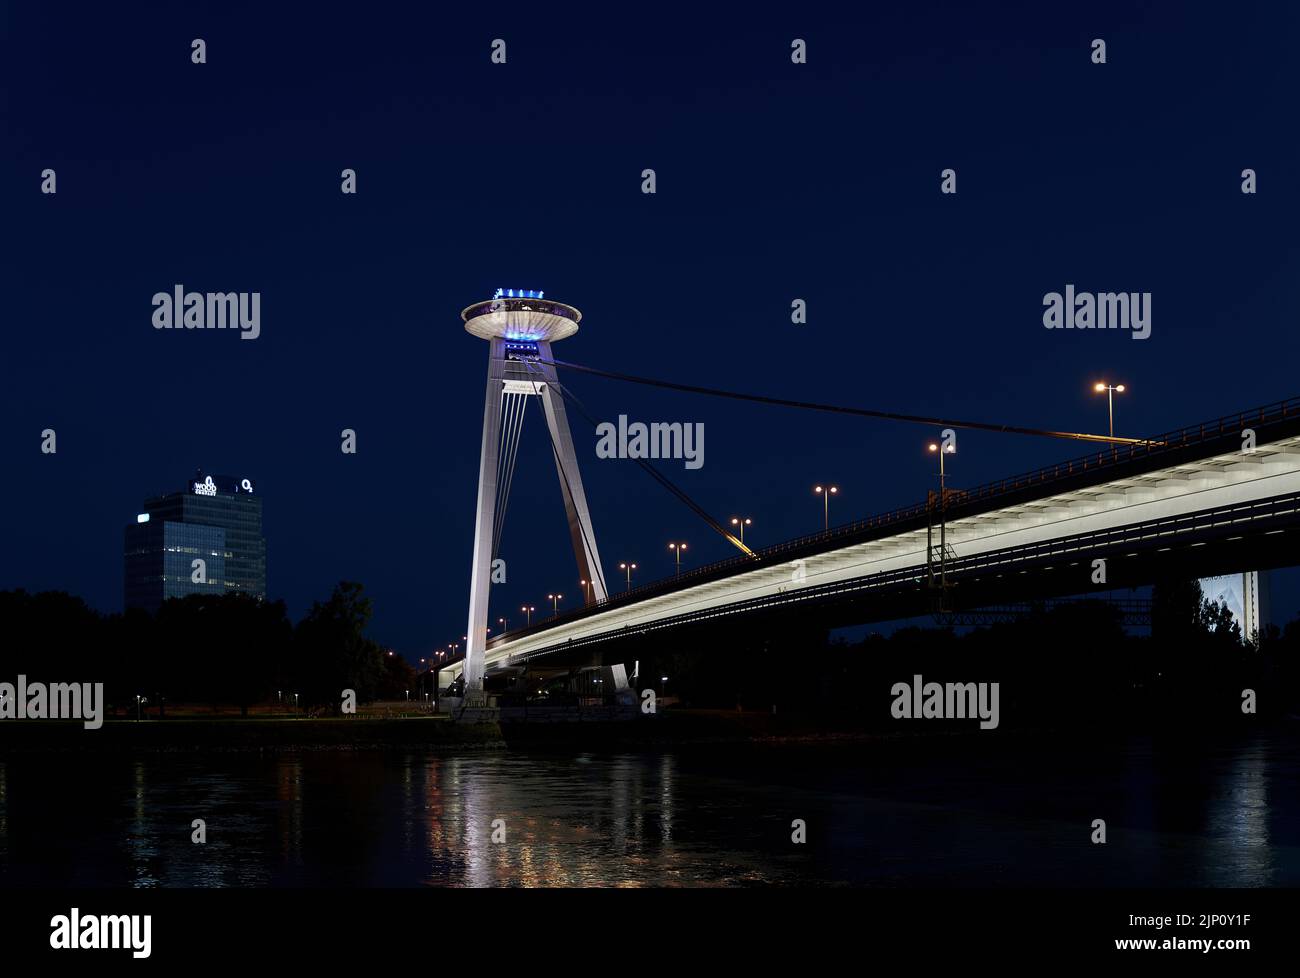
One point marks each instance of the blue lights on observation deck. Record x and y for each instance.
(518, 294)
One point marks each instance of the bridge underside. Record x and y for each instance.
(1218, 550)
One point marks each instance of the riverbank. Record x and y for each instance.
(207, 734)
(440, 733)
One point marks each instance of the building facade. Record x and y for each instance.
(205, 539)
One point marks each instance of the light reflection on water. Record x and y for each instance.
(956, 812)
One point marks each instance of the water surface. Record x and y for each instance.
(944, 812)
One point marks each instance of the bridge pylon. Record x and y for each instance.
(520, 326)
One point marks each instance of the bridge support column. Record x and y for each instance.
(1255, 601)
(566, 465)
(481, 569)
(515, 372)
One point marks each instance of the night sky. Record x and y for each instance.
(775, 181)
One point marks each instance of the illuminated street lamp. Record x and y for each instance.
(629, 568)
(505, 624)
(528, 610)
(826, 492)
(555, 603)
(948, 448)
(586, 589)
(677, 549)
(1111, 391)
(741, 522)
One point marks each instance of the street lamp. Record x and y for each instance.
(555, 603)
(677, 549)
(742, 523)
(826, 492)
(505, 624)
(1111, 391)
(528, 610)
(586, 589)
(629, 568)
(948, 449)
(663, 688)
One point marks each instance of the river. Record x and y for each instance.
(960, 811)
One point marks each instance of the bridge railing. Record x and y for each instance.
(1085, 464)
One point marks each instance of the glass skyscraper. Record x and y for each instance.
(216, 519)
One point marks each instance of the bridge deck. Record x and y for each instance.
(1117, 492)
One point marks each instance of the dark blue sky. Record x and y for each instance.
(775, 181)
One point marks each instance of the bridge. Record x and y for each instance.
(1209, 498)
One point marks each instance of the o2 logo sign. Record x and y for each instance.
(208, 487)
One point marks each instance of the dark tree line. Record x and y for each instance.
(1067, 664)
(230, 650)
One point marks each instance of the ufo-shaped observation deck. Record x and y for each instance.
(528, 318)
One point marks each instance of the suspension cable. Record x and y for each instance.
(859, 412)
(662, 479)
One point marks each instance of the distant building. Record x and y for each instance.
(215, 519)
(1247, 597)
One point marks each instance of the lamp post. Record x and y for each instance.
(505, 624)
(1111, 390)
(677, 549)
(528, 610)
(947, 449)
(555, 603)
(826, 492)
(742, 523)
(586, 589)
(629, 568)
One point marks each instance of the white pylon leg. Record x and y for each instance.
(480, 578)
(566, 465)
